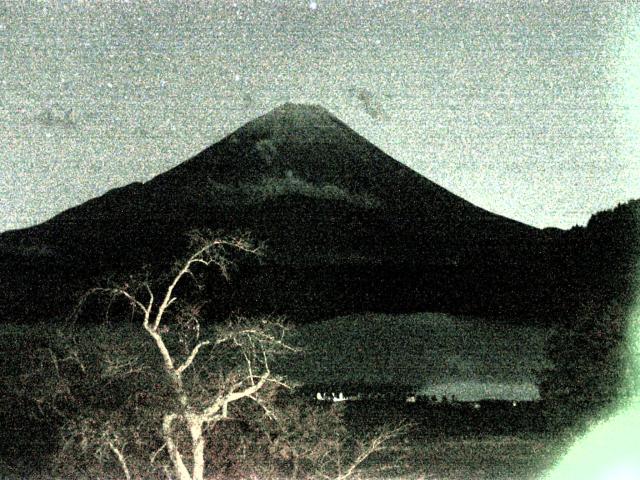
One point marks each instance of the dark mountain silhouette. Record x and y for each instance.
(346, 228)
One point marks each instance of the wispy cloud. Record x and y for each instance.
(58, 116)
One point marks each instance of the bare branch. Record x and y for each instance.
(256, 334)
(280, 383)
(149, 305)
(153, 456)
(164, 351)
(246, 358)
(374, 445)
(131, 298)
(262, 405)
(191, 357)
(73, 355)
(197, 257)
(232, 397)
(121, 460)
(223, 401)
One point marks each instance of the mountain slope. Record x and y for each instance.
(308, 143)
(322, 198)
(295, 150)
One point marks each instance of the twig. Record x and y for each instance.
(121, 460)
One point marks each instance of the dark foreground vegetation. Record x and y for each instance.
(90, 403)
(166, 395)
(78, 396)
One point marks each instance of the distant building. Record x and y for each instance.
(332, 397)
(366, 392)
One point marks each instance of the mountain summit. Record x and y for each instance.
(334, 210)
(309, 143)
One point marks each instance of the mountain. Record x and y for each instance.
(346, 227)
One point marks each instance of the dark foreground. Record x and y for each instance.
(446, 442)
(472, 457)
(495, 441)
(491, 440)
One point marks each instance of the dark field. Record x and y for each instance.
(489, 457)
(487, 440)
(496, 441)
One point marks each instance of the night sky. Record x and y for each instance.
(528, 109)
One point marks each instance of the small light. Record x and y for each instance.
(313, 5)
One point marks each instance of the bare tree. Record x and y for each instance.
(157, 396)
(256, 341)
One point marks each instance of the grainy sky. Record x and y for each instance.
(528, 109)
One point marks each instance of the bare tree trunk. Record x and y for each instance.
(179, 467)
(246, 387)
(197, 445)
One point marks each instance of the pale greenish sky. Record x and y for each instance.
(528, 109)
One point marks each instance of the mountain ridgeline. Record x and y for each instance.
(346, 228)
